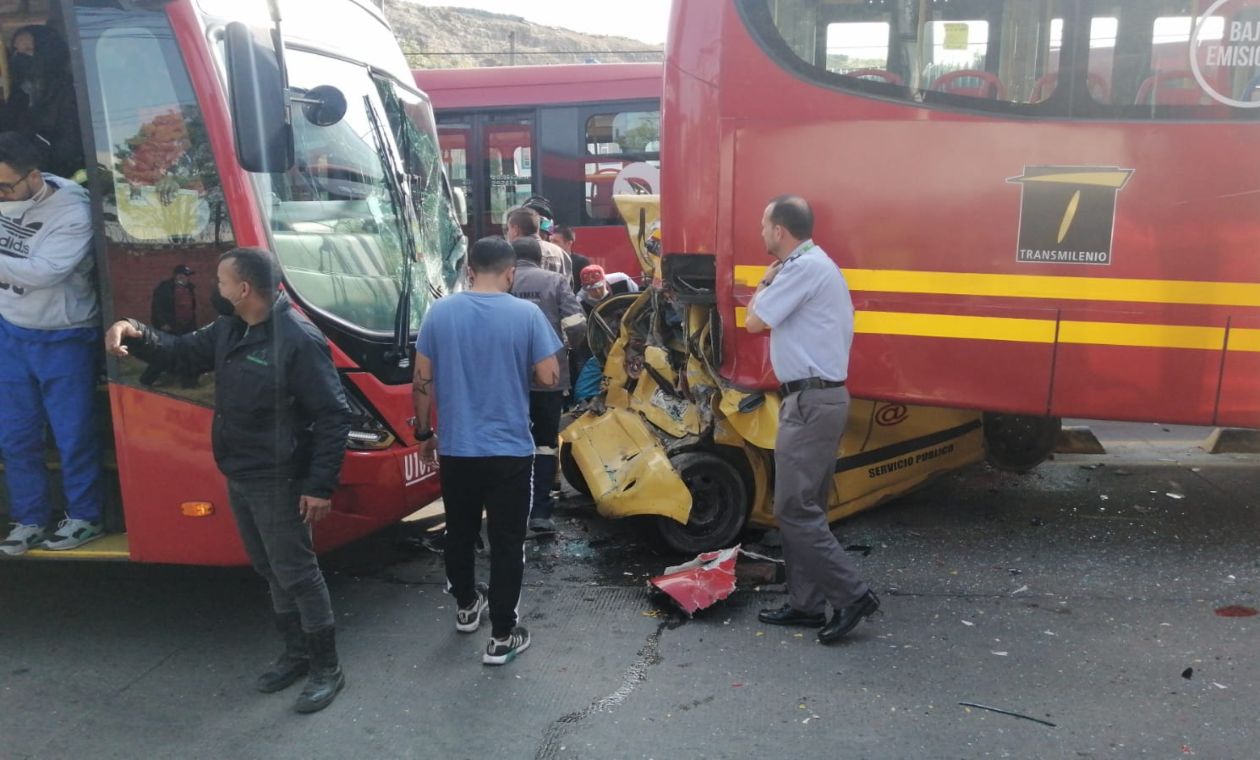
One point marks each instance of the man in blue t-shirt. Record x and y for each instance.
(476, 354)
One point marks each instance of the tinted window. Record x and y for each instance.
(613, 141)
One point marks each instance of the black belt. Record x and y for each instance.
(808, 384)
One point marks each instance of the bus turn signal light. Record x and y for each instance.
(196, 508)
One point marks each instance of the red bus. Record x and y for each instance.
(184, 115)
(563, 132)
(1044, 208)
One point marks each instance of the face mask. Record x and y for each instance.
(222, 305)
(15, 209)
(21, 66)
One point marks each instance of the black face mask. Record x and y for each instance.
(222, 305)
(21, 67)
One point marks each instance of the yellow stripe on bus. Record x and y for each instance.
(1242, 339)
(1152, 336)
(1039, 286)
(1043, 331)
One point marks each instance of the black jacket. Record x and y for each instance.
(162, 306)
(279, 408)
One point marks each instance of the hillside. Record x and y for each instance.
(430, 34)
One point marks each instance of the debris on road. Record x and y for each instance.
(1000, 711)
(1188, 673)
(705, 580)
(1172, 495)
(1236, 610)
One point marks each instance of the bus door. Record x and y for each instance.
(491, 157)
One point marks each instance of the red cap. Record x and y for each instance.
(592, 275)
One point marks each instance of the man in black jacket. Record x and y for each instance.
(173, 310)
(279, 435)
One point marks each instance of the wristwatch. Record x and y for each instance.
(423, 435)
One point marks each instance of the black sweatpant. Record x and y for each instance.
(279, 546)
(502, 486)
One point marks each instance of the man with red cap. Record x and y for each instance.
(598, 285)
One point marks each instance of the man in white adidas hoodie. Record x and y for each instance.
(49, 348)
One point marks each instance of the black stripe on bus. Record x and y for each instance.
(905, 447)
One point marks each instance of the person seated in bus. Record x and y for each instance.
(598, 285)
(526, 222)
(49, 328)
(564, 237)
(41, 102)
(279, 436)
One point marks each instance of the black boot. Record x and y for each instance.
(326, 676)
(293, 663)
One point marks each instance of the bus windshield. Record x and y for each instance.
(337, 230)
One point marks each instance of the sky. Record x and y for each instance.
(644, 20)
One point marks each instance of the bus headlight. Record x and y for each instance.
(367, 432)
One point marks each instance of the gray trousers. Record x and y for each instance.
(279, 546)
(818, 571)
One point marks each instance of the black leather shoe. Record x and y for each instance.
(788, 615)
(846, 618)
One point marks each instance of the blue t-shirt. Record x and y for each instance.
(483, 347)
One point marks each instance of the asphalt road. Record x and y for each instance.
(1082, 594)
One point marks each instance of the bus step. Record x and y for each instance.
(111, 547)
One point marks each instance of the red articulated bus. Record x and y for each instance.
(563, 132)
(1044, 208)
(185, 117)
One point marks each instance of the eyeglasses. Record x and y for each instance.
(8, 187)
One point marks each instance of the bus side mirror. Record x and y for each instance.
(257, 97)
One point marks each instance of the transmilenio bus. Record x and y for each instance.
(564, 132)
(185, 114)
(1044, 208)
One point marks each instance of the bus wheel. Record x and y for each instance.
(571, 472)
(719, 505)
(1018, 442)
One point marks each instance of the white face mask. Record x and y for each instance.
(15, 209)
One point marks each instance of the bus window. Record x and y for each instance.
(457, 156)
(858, 48)
(614, 140)
(334, 225)
(163, 202)
(1131, 57)
(439, 237)
(509, 160)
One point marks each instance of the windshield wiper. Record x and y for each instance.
(399, 194)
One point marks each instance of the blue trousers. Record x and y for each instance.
(48, 379)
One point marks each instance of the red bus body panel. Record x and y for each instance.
(899, 190)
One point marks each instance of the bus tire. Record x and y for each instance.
(570, 471)
(1019, 442)
(719, 504)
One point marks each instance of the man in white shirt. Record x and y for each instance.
(804, 301)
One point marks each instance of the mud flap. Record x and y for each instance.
(626, 468)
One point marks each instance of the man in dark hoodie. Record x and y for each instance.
(279, 435)
(41, 103)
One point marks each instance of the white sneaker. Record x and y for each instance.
(72, 533)
(21, 538)
(503, 651)
(468, 619)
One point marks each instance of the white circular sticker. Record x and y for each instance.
(639, 178)
(1238, 47)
